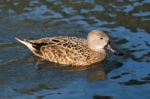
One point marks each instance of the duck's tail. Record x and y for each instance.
(31, 47)
(26, 43)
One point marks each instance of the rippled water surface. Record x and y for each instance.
(126, 21)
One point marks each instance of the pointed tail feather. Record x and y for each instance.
(26, 43)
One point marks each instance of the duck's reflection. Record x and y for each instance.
(97, 75)
(100, 71)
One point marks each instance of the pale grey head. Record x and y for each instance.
(99, 41)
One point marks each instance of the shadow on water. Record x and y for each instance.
(127, 23)
(102, 97)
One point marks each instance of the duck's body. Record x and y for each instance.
(68, 50)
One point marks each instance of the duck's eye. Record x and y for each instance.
(101, 38)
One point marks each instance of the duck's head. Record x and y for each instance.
(99, 41)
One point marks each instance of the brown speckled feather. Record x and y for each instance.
(70, 51)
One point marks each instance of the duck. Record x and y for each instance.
(72, 51)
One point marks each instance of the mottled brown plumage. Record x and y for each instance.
(70, 50)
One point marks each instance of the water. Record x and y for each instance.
(126, 21)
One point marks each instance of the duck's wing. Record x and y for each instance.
(65, 50)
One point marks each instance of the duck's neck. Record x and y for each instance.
(97, 49)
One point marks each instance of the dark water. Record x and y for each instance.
(126, 77)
